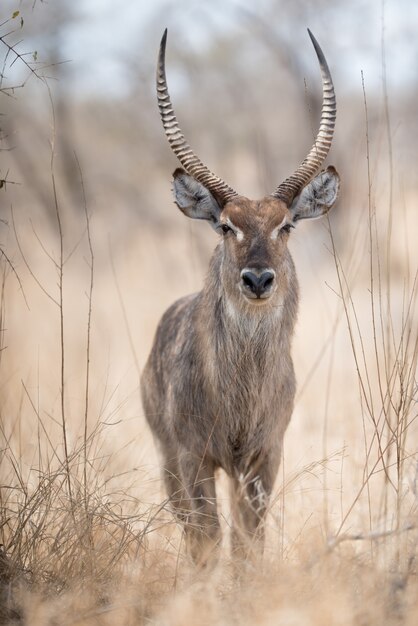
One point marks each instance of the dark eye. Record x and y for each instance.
(287, 228)
(226, 229)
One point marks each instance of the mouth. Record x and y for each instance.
(256, 300)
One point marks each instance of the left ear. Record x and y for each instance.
(318, 197)
(194, 200)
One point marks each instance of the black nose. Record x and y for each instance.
(258, 284)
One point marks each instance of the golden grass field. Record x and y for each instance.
(86, 531)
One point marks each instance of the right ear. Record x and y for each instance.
(194, 200)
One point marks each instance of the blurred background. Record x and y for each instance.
(77, 81)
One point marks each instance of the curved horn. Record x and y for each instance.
(179, 145)
(290, 188)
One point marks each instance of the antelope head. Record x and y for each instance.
(255, 258)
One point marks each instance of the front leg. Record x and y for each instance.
(202, 528)
(251, 488)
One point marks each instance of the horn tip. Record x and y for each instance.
(313, 39)
(164, 39)
(318, 50)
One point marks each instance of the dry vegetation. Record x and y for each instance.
(92, 253)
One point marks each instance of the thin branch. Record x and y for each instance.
(12, 267)
(61, 298)
(88, 338)
(28, 267)
(372, 536)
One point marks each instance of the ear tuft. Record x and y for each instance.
(318, 196)
(193, 199)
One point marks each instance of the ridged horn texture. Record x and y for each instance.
(291, 187)
(191, 163)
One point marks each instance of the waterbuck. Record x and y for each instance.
(219, 384)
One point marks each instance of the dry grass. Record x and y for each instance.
(86, 533)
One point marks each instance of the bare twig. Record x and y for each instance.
(90, 300)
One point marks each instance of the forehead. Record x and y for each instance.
(246, 214)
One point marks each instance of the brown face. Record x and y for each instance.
(255, 235)
(256, 266)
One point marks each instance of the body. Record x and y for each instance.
(228, 387)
